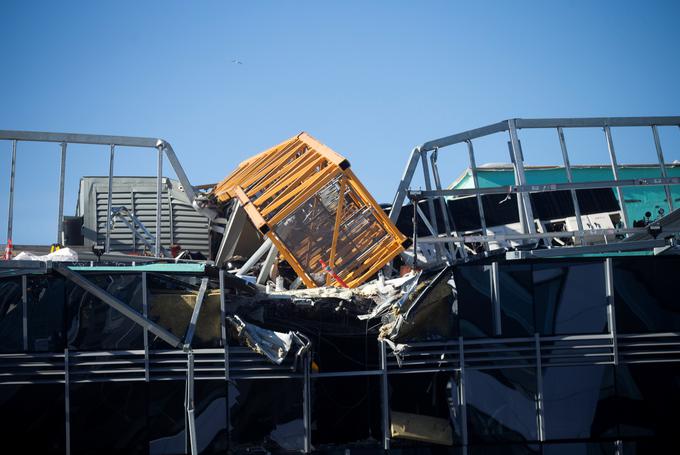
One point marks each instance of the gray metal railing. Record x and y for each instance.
(521, 188)
(163, 147)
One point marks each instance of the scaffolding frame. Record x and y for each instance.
(521, 188)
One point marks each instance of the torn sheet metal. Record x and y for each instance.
(271, 344)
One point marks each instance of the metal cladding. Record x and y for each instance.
(306, 200)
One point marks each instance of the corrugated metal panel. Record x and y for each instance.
(180, 223)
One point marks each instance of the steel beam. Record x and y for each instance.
(263, 276)
(475, 181)
(442, 205)
(518, 159)
(107, 244)
(118, 305)
(232, 232)
(62, 176)
(570, 179)
(10, 206)
(615, 171)
(662, 165)
(159, 202)
(404, 184)
(257, 255)
(188, 338)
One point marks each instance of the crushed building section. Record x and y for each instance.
(310, 205)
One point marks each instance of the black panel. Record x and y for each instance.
(645, 298)
(473, 284)
(516, 300)
(33, 419)
(570, 298)
(109, 417)
(11, 317)
(505, 449)
(94, 325)
(346, 410)
(166, 418)
(266, 414)
(45, 313)
(580, 448)
(649, 397)
(579, 402)
(501, 405)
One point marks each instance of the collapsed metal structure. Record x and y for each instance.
(502, 325)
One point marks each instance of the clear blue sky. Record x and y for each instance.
(370, 79)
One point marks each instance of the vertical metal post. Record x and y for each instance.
(107, 244)
(496, 298)
(306, 408)
(615, 171)
(570, 179)
(10, 206)
(223, 326)
(662, 166)
(463, 400)
(190, 405)
(430, 203)
(24, 310)
(67, 402)
(520, 179)
(475, 181)
(159, 192)
(414, 199)
(385, 397)
(62, 175)
(540, 418)
(145, 312)
(134, 231)
(611, 310)
(443, 206)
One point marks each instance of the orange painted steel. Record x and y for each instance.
(303, 196)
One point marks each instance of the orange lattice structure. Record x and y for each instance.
(292, 194)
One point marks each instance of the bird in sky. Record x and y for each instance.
(237, 62)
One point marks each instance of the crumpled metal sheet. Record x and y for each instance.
(273, 345)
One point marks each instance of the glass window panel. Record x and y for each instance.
(166, 418)
(94, 325)
(501, 405)
(650, 398)
(516, 300)
(505, 449)
(109, 417)
(346, 410)
(45, 313)
(428, 394)
(11, 315)
(33, 418)
(580, 448)
(473, 284)
(579, 402)
(644, 297)
(570, 298)
(266, 414)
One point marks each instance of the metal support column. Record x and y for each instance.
(475, 181)
(404, 184)
(10, 206)
(570, 179)
(443, 206)
(232, 232)
(62, 176)
(461, 391)
(526, 210)
(615, 171)
(496, 298)
(662, 166)
(189, 336)
(107, 243)
(430, 204)
(159, 206)
(540, 417)
(306, 403)
(24, 310)
(223, 325)
(145, 313)
(257, 255)
(611, 310)
(189, 404)
(384, 389)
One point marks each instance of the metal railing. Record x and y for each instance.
(162, 146)
(521, 188)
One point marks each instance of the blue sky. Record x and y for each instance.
(369, 79)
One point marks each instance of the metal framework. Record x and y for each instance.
(521, 188)
(163, 149)
(453, 357)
